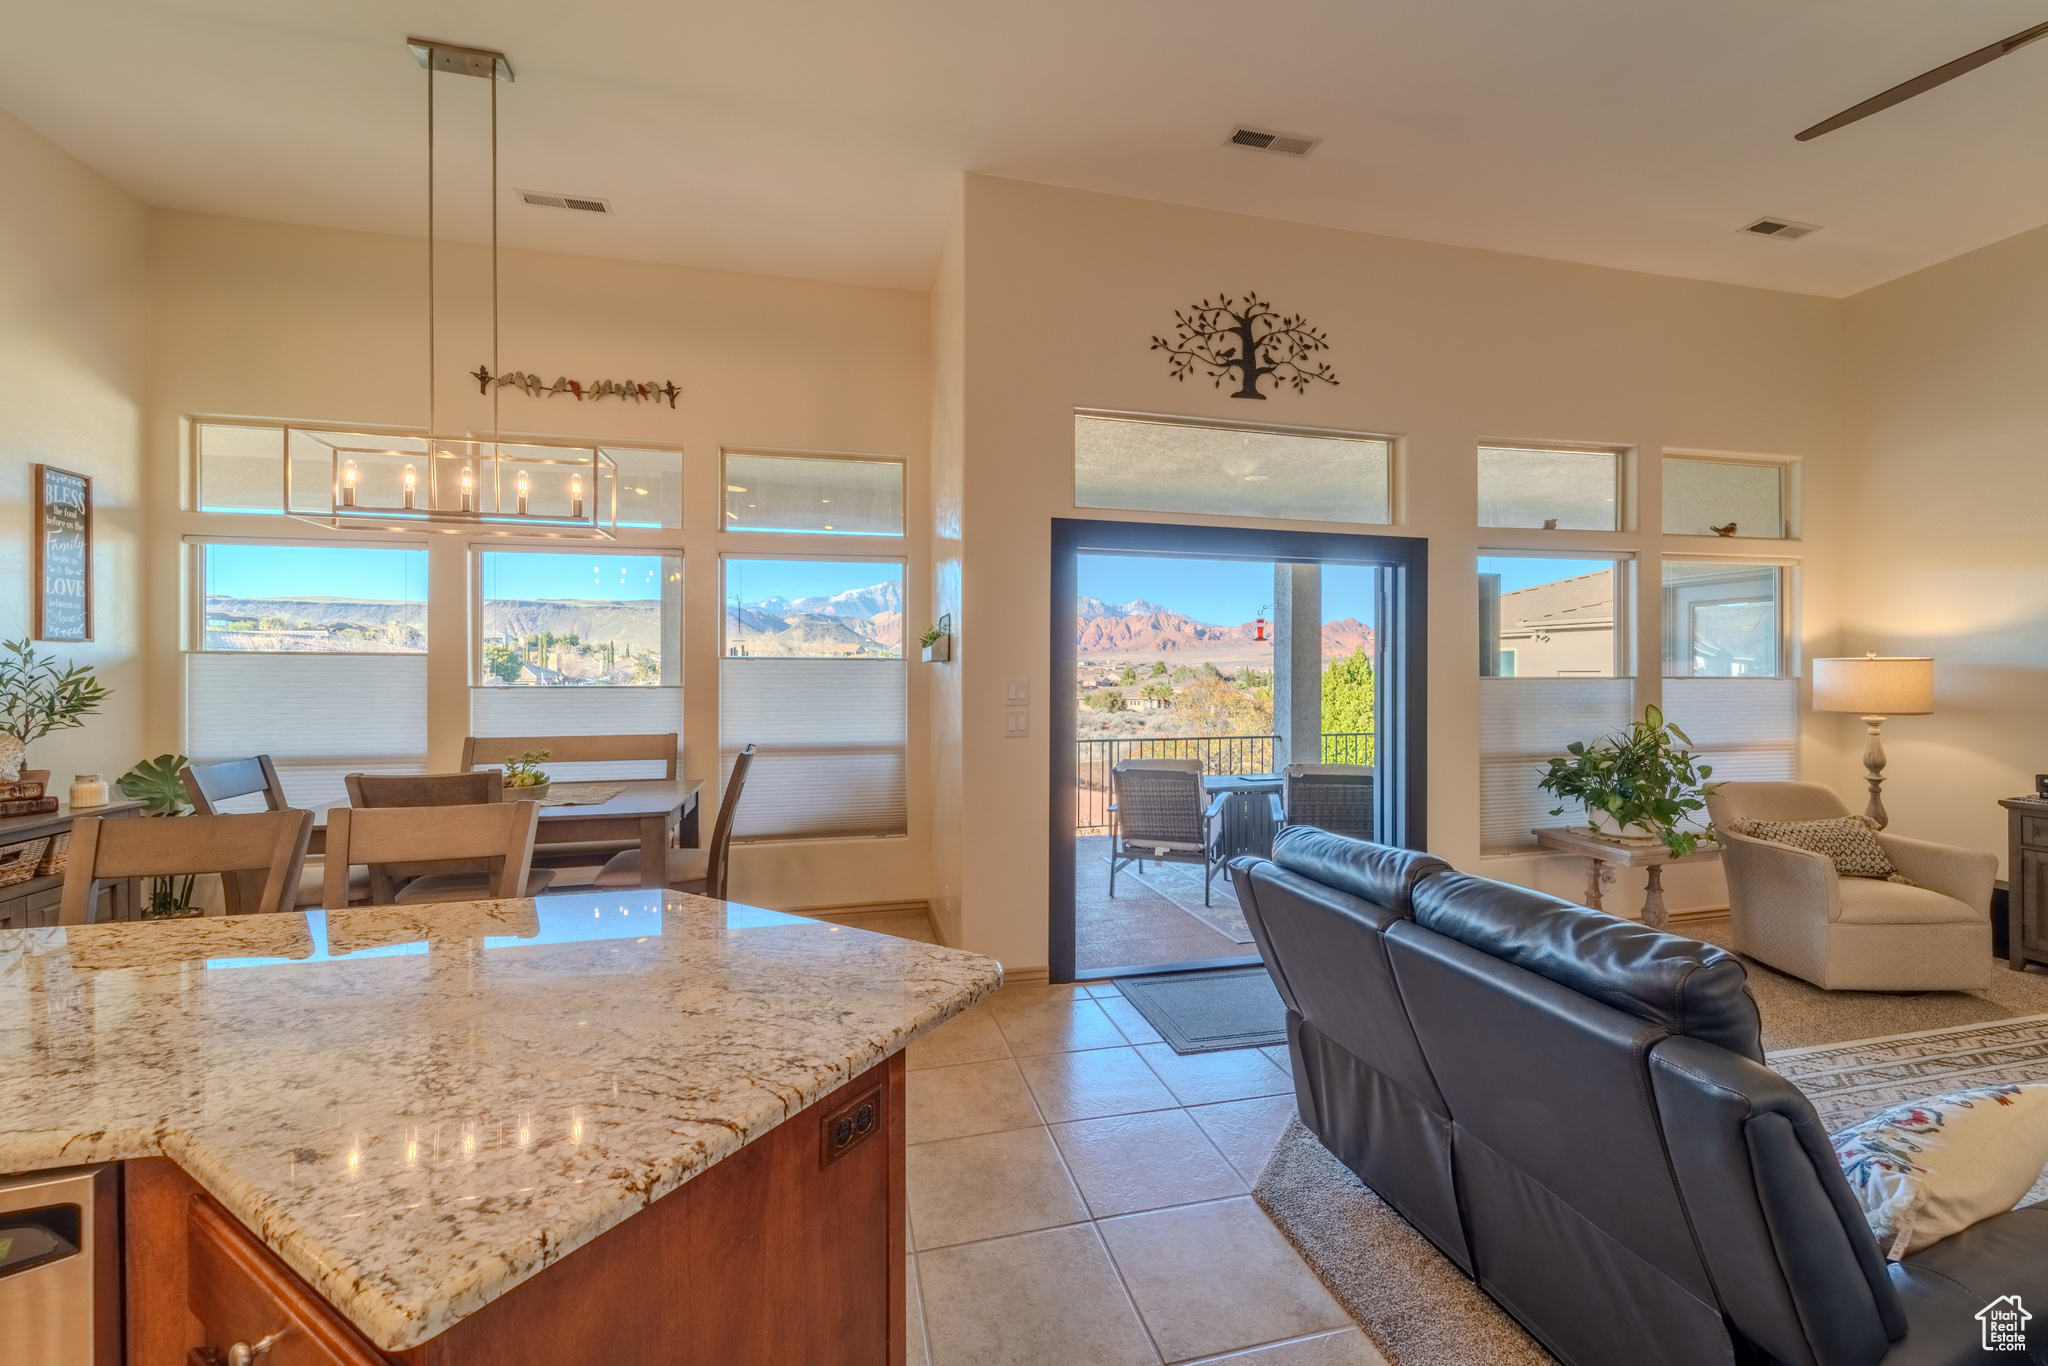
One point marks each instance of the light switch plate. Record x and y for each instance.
(1016, 724)
(1016, 692)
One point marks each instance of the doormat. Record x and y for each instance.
(1210, 1010)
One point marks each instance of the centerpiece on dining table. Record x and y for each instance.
(525, 779)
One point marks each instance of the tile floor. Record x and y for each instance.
(1079, 1194)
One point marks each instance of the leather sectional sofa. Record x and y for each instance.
(1575, 1109)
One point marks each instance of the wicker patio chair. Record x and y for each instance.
(1160, 812)
(1333, 797)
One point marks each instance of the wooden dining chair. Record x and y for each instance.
(210, 785)
(496, 835)
(484, 750)
(692, 870)
(423, 789)
(271, 843)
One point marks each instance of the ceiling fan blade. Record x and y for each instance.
(1926, 81)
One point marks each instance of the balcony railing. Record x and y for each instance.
(1220, 754)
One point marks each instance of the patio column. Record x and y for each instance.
(1297, 664)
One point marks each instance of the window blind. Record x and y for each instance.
(318, 716)
(832, 745)
(1524, 722)
(1747, 728)
(579, 711)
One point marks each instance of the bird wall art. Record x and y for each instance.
(537, 387)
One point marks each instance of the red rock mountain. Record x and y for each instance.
(1166, 633)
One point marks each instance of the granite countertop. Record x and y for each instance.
(419, 1107)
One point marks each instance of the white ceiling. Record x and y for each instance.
(822, 139)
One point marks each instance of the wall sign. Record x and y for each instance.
(1245, 341)
(63, 555)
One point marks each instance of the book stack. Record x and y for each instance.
(25, 799)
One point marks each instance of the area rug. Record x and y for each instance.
(1414, 1304)
(1181, 883)
(1210, 1010)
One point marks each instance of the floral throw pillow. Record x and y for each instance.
(1851, 841)
(1935, 1167)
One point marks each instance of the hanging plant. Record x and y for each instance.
(1637, 779)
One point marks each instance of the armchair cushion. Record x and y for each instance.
(1866, 901)
(1851, 841)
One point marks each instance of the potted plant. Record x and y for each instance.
(524, 779)
(1637, 780)
(37, 697)
(159, 785)
(937, 642)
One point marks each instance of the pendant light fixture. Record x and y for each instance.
(470, 484)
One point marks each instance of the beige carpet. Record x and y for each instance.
(1420, 1310)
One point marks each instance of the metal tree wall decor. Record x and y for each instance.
(1246, 341)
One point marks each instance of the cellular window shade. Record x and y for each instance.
(1523, 722)
(318, 716)
(579, 711)
(831, 739)
(1747, 728)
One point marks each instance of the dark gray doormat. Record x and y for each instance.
(1210, 1010)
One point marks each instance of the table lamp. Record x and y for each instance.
(1874, 687)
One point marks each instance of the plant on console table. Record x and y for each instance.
(37, 697)
(1643, 779)
(159, 784)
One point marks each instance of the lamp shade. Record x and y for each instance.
(1874, 686)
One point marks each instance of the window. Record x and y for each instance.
(314, 655)
(1725, 684)
(1151, 466)
(833, 495)
(1723, 497)
(813, 674)
(1549, 649)
(241, 469)
(1549, 488)
(650, 486)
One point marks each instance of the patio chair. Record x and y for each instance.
(1332, 797)
(1161, 812)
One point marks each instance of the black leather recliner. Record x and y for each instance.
(1575, 1109)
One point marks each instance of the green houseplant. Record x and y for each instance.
(1644, 778)
(159, 785)
(524, 778)
(37, 697)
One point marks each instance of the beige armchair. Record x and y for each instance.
(1791, 911)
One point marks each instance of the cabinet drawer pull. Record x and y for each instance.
(243, 1353)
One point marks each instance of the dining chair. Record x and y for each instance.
(493, 839)
(210, 785)
(702, 871)
(424, 789)
(1159, 811)
(270, 843)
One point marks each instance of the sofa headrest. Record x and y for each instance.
(1692, 989)
(1377, 873)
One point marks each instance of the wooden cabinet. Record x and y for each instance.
(791, 1250)
(2026, 871)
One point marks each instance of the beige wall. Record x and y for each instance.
(1441, 346)
(74, 383)
(316, 325)
(948, 438)
(1948, 554)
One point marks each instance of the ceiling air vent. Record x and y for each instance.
(1783, 228)
(581, 202)
(1267, 140)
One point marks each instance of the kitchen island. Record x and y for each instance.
(617, 1128)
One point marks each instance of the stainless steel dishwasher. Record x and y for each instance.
(60, 1267)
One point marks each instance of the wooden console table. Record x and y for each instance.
(1596, 852)
(2026, 874)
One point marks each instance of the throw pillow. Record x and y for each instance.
(1935, 1167)
(1851, 841)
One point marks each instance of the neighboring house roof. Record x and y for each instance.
(1584, 602)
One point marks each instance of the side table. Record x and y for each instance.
(1569, 840)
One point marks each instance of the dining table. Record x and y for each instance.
(646, 810)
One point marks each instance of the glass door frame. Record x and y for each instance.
(1401, 693)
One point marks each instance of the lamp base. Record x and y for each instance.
(1873, 769)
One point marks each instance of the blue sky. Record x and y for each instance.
(273, 571)
(1517, 572)
(759, 580)
(615, 578)
(1221, 592)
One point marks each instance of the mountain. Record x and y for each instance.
(1159, 631)
(861, 621)
(854, 602)
(1089, 609)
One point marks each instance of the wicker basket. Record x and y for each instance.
(18, 861)
(56, 856)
